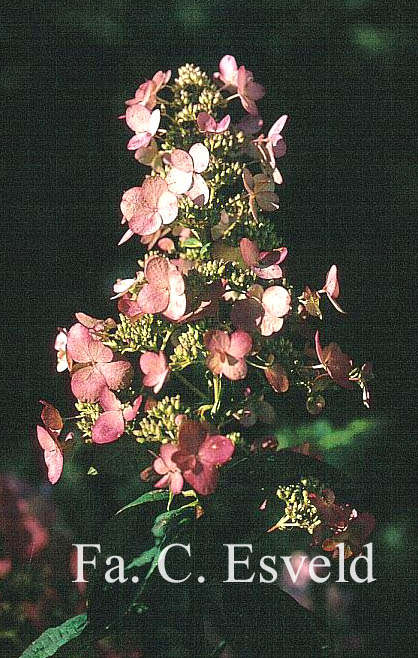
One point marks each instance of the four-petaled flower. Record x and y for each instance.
(163, 293)
(271, 147)
(185, 177)
(261, 192)
(265, 264)
(241, 79)
(262, 309)
(199, 453)
(165, 466)
(94, 366)
(110, 425)
(227, 353)
(155, 368)
(144, 124)
(336, 364)
(147, 208)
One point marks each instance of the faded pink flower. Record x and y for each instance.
(95, 367)
(262, 309)
(146, 94)
(155, 368)
(271, 147)
(207, 123)
(148, 207)
(144, 124)
(337, 364)
(264, 264)
(110, 425)
(60, 345)
(277, 377)
(96, 325)
(250, 124)
(199, 453)
(122, 286)
(218, 230)
(163, 293)
(332, 288)
(52, 453)
(165, 466)
(227, 353)
(150, 156)
(241, 79)
(185, 177)
(261, 192)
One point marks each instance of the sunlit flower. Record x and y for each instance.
(144, 124)
(199, 453)
(95, 367)
(163, 293)
(264, 264)
(261, 192)
(262, 310)
(111, 423)
(146, 94)
(149, 207)
(185, 177)
(155, 368)
(227, 353)
(241, 79)
(207, 123)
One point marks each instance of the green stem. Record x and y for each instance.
(217, 389)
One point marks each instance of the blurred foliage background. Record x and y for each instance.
(345, 72)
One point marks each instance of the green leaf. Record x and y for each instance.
(53, 638)
(192, 243)
(149, 497)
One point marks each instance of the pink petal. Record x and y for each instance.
(223, 124)
(272, 272)
(154, 122)
(117, 374)
(270, 324)
(108, 401)
(250, 124)
(167, 451)
(81, 347)
(129, 413)
(168, 207)
(176, 307)
(176, 482)
(254, 91)
(249, 251)
(204, 481)
(45, 439)
(131, 200)
(108, 427)
(240, 345)
(274, 133)
(87, 384)
(331, 286)
(235, 371)
(280, 148)
(216, 449)
(180, 159)
(228, 69)
(205, 122)
(54, 462)
(200, 156)
(179, 181)
(199, 192)
(276, 301)
(156, 271)
(152, 299)
(137, 117)
(248, 180)
(139, 141)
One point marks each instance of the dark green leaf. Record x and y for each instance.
(149, 497)
(53, 638)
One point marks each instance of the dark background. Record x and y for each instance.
(345, 72)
